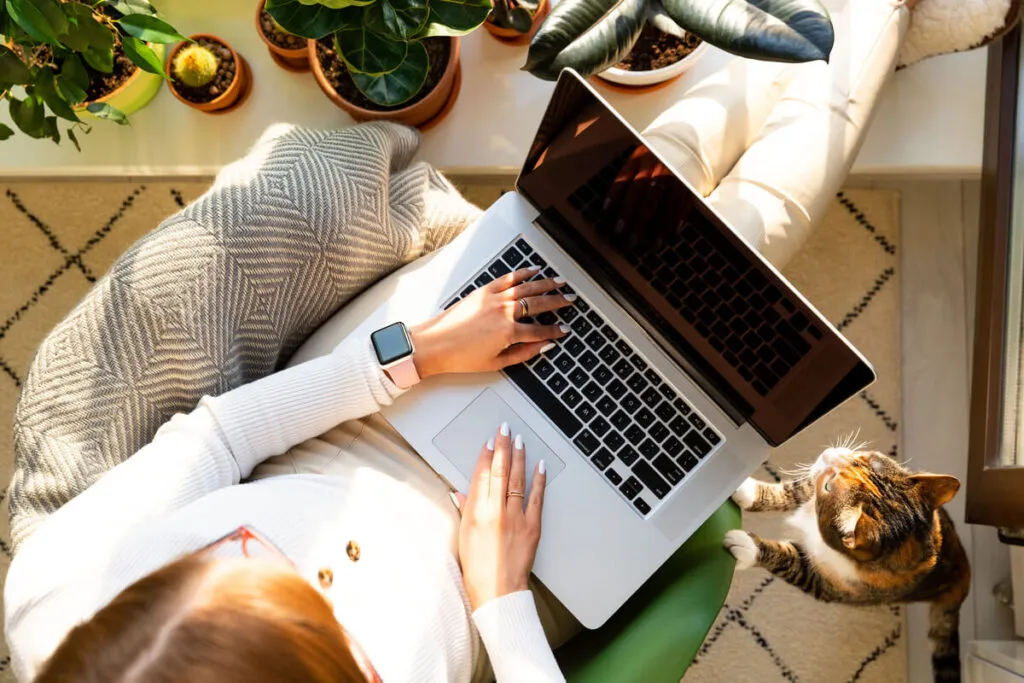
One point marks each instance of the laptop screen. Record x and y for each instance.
(738, 328)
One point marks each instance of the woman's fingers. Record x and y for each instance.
(512, 279)
(481, 482)
(535, 504)
(500, 464)
(536, 287)
(527, 333)
(542, 304)
(517, 475)
(520, 353)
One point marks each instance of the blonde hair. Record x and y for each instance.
(203, 620)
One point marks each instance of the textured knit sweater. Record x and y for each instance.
(403, 601)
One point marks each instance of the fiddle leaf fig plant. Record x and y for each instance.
(380, 40)
(49, 47)
(593, 35)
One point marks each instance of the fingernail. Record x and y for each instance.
(504, 429)
(490, 444)
(519, 442)
(559, 280)
(455, 500)
(542, 467)
(569, 297)
(547, 347)
(533, 269)
(564, 328)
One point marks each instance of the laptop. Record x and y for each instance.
(689, 354)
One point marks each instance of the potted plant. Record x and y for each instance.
(78, 59)
(286, 49)
(593, 35)
(515, 21)
(386, 59)
(207, 74)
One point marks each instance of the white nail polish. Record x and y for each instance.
(542, 467)
(547, 347)
(564, 328)
(455, 500)
(559, 280)
(504, 429)
(569, 297)
(490, 444)
(519, 442)
(533, 269)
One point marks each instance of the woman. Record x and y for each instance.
(338, 562)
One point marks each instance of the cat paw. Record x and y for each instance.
(746, 494)
(742, 547)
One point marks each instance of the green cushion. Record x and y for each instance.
(655, 635)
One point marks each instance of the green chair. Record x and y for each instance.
(655, 635)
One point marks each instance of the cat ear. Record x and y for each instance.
(849, 520)
(937, 489)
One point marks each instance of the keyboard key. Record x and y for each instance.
(649, 449)
(512, 257)
(613, 440)
(651, 479)
(672, 446)
(665, 411)
(571, 397)
(630, 403)
(697, 422)
(635, 435)
(610, 334)
(653, 377)
(623, 369)
(621, 420)
(586, 442)
(712, 436)
(524, 246)
(623, 348)
(581, 305)
(616, 388)
(497, 269)
(593, 391)
(644, 417)
(629, 455)
(574, 346)
(543, 369)
(651, 397)
(668, 468)
(613, 476)
(637, 383)
(602, 374)
(565, 363)
(550, 272)
(697, 444)
(537, 260)
(467, 291)
(609, 355)
(595, 340)
(679, 425)
(681, 406)
(581, 326)
(599, 426)
(602, 458)
(641, 505)
(589, 360)
(606, 405)
(585, 411)
(578, 377)
(687, 461)
(544, 399)
(638, 363)
(547, 318)
(631, 487)
(483, 279)
(557, 383)
(568, 314)
(658, 431)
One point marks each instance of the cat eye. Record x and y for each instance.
(828, 484)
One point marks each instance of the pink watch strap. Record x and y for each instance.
(403, 373)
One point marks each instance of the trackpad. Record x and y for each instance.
(464, 436)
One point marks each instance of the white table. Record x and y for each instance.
(930, 121)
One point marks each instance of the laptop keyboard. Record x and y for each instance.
(757, 329)
(599, 391)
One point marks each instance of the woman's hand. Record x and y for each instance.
(500, 531)
(482, 331)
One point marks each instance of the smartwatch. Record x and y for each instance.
(394, 350)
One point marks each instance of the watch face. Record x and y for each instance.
(391, 343)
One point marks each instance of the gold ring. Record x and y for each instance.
(514, 494)
(526, 308)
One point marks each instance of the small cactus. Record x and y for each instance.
(195, 66)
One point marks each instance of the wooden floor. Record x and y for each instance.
(939, 263)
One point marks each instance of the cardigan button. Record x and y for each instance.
(326, 577)
(353, 551)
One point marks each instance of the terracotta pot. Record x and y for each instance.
(417, 114)
(512, 36)
(293, 59)
(238, 88)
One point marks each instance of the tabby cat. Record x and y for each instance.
(869, 533)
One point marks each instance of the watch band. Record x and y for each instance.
(403, 373)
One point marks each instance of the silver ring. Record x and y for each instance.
(526, 308)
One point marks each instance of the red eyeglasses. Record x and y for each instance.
(255, 546)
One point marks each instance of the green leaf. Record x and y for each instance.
(45, 85)
(142, 56)
(28, 115)
(456, 17)
(308, 21)
(83, 32)
(150, 29)
(51, 130)
(73, 81)
(587, 35)
(367, 52)
(12, 69)
(775, 30)
(132, 6)
(74, 139)
(105, 111)
(42, 20)
(402, 84)
(659, 19)
(5, 132)
(397, 19)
